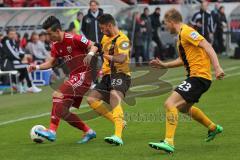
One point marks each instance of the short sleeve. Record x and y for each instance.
(81, 41)
(123, 46)
(192, 36)
(54, 51)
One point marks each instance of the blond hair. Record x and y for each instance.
(173, 15)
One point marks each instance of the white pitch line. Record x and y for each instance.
(32, 117)
(24, 118)
(182, 78)
(85, 105)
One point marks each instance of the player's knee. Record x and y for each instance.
(91, 99)
(115, 96)
(168, 104)
(62, 112)
(184, 109)
(57, 94)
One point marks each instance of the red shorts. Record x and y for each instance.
(76, 87)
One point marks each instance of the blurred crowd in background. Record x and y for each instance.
(145, 30)
(169, 1)
(148, 41)
(47, 3)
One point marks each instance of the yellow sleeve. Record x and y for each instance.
(123, 46)
(103, 39)
(104, 45)
(192, 36)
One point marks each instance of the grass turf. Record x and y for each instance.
(145, 124)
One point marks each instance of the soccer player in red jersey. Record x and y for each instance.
(77, 52)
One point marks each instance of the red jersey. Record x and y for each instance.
(73, 50)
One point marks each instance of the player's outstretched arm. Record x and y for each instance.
(219, 73)
(121, 58)
(93, 49)
(46, 65)
(157, 63)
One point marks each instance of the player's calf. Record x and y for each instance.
(57, 94)
(91, 99)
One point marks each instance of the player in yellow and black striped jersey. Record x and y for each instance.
(116, 45)
(116, 78)
(197, 55)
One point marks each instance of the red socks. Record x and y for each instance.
(60, 110)
(54, 119)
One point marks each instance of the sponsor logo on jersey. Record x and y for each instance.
(69, 49)
(125, 45)
(84, 40)
(77, 80)
(194, 35)
(67, 58)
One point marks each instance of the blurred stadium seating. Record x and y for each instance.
(28, 19)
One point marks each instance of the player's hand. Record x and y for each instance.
(219, 73)
(157, 63)
(198, 24)
(87, 60)
(31, 68)
(108, 57)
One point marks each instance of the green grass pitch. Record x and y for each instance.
(18, 113)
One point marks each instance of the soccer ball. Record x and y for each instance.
(34, 136)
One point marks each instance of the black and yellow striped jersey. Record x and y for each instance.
(195, 58)
(117, 45)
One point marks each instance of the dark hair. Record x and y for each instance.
(79, 13)
(18, 35)
(94, 1)
(53, 23)
(158, 8)
(26, 35)
(106, 18)
(146, 8)
(11, 29)
(221, 7)
(42, 34)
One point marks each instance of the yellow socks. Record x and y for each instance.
(171, 124)
(99, 107)
(172, 120)
(116, 116)
(199, 116)
(118, 120)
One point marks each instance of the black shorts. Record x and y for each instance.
(118, 81)
(192, 88)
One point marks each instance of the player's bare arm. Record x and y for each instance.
(157, 63)
(219, 73)
(121, 58)
(92, 51)
(48, 64)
